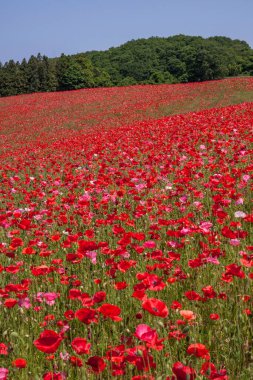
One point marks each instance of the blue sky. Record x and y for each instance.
(53, 27)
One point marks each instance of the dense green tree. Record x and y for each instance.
(206, 66)
(75, 72)
(127, 81)
(33, 74)
(11, 79)
(102, 78)
(47, 74)
(52, 82)
(23, 77)
(176, 67)
(62, 65)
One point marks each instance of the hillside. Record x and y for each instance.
(71, 112)
(175, 59)
(154, 60)
(126, 236)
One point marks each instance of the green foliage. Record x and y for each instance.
(185, 58)
(102, 78)
(12, 79)
(127, 81)
(75, 72)
(155, 60)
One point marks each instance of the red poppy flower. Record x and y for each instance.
(198, 350)
(234, 270)
(209, 292)
(183, 372)
(99, 297)
(3, 349)
(87, 315)
(141, 358)
(10, 302)
(54, 376)
(16, 242)
(208, 369)
(69, 314)
(48, 341)
(120, 285)
(76, 362)
(116, 354)
(214, 317)
(192, 295)
(74, 294)
(96, 363)
(19, 363)
(13, 269)
(80, 346)
(156, 307)
(85, 245)
(28, 251)
(110, 311)
(74, 258)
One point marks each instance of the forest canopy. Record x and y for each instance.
(176, 59)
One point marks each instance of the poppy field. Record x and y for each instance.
(126, 245)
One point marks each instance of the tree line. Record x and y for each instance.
(176, 59)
